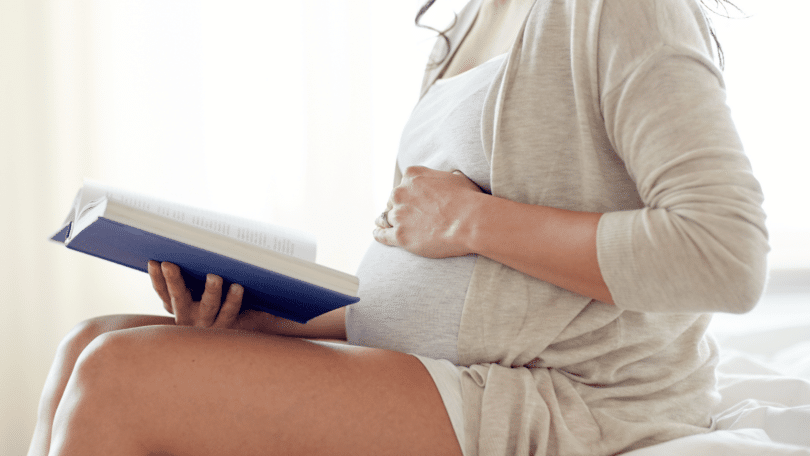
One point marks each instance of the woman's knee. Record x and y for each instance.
(113, 375)
(81, 335)
(116, 355)
(96, 398)
(85, 332)
(101, 356)
(103, 369)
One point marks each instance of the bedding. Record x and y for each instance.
(764, 382)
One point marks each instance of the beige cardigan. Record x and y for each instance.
(610, 106)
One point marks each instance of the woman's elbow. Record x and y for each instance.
(739, 284)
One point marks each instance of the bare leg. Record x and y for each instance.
(186, 391)
(66, 355)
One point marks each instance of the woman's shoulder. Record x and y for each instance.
(649, 23)
(633, 33)
(636, 26)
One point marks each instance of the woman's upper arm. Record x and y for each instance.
(700, 242)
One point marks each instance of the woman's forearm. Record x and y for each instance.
(330, 325)
(439, 214)
(554, 245)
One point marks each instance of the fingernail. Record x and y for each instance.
(237, 289)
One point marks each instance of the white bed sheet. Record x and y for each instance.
(764, 382)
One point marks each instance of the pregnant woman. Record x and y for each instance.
(571, 204)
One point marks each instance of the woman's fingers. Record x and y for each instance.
(229, 312)
(210, 301)
(210, 311)
(159, 284)
(179, 295)
(383, 221)
(385, 236)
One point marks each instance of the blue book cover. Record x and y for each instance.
(265, 289)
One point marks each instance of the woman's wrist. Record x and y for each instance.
(476, 226)
(490, 223)
(471, 229)
(257, 321)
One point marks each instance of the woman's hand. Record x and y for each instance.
(209, 312)
(428, 214)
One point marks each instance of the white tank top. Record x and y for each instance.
(410, 303)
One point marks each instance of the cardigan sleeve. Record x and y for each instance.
(699, 244)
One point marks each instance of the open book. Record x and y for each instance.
(275, 265)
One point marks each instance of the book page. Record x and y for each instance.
(277, 238)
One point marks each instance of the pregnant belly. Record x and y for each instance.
(409, 303)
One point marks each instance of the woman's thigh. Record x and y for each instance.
(182, 390)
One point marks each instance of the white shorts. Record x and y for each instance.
(447, 378)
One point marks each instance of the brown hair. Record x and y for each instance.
(725, 4)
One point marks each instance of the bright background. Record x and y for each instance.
(288, 112)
